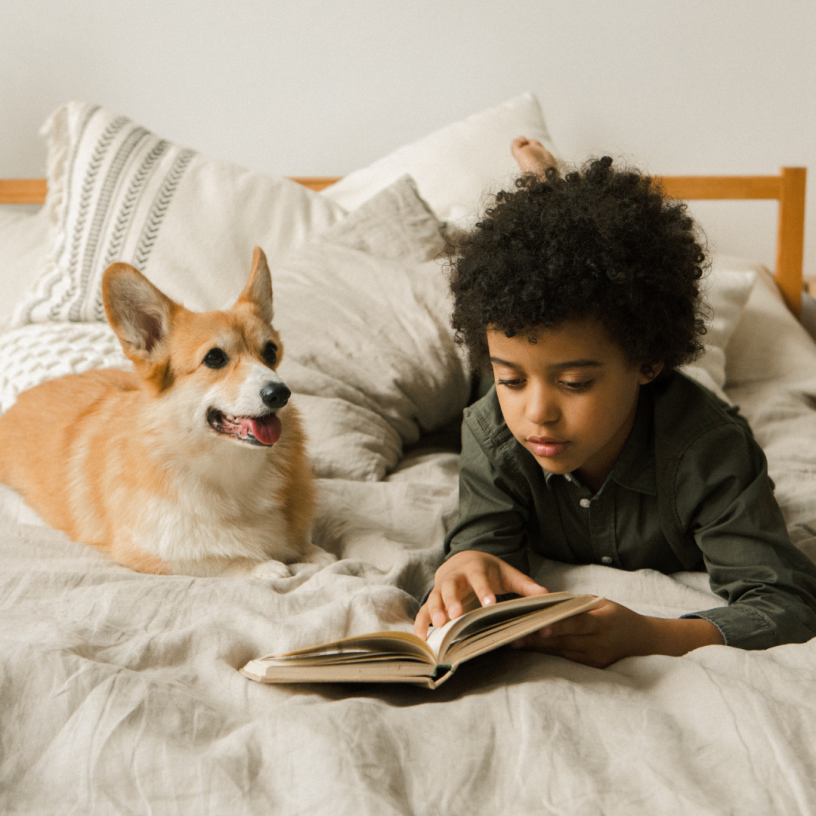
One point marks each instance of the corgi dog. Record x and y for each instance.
(194, 464)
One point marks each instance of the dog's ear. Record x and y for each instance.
(138, 312)
(257, 293)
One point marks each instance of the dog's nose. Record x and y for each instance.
(275, 395)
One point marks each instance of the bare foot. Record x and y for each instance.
(531, 155)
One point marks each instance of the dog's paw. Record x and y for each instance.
(317, 555)
(271, 569)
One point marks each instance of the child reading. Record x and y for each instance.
(582, 292)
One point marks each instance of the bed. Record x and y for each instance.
(120, 692)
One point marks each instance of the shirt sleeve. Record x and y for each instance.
(724, 496)
(493, 515)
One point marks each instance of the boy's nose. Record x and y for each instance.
(275, 395)
(542, 410)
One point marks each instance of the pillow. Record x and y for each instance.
(808, 314)
(769, 343)
(726, 291)
(117, 192)
(33, 354)
(372, 360)
(397, 223)
(23, 251)
(455, 167)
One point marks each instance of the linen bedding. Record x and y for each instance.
(119, 692)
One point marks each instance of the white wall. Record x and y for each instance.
(319, 87)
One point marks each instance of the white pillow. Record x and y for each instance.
(458, 167)
(23, 253)
(117, 192)
(726, 291)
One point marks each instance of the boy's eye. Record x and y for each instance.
(517, 383)
(215, 358)
(270, 354)
(576, 386)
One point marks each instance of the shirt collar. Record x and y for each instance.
(548, 477)
(635, 468)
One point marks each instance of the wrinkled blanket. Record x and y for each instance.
(120, 692)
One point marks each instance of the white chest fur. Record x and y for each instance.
(223, 507)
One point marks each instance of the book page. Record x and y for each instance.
(392, 643)
(488, 616)
(383, 670)
(506, 630)
(437, 635)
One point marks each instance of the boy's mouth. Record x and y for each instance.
(261, 430)
(546, 446)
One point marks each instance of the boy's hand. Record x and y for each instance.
(611, 632)
(466, 580)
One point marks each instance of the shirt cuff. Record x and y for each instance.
(740, 626)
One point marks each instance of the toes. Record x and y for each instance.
(271, 569)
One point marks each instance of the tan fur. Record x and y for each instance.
(129, 463)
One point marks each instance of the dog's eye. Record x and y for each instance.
(270, 354)
(215, 358)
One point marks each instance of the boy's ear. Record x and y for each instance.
(649, 372)
(138, 312)
(257, 293)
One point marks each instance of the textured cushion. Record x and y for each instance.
(32, 354)
(364, 311)
(117, 192)
(456, 167)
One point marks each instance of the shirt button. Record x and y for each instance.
(606, 559)
(584, 502)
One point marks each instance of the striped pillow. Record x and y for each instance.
(117, 192)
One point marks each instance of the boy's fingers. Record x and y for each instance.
(512, 580)
(423, 620)
(483, 589)
(436, 609)
(560, 634)
(583, 624)
(451, 598)
(472, 579)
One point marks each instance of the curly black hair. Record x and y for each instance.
(599, 242)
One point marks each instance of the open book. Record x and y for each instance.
(402, 657)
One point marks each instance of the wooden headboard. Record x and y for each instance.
(788, 188)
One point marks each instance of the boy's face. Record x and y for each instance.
(570, 397)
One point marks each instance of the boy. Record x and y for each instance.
(583, 293)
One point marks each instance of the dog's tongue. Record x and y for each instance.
(267, 429)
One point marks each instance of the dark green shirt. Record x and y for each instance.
(690, 491)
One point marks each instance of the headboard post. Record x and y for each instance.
(791, 236)
(22, 191)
